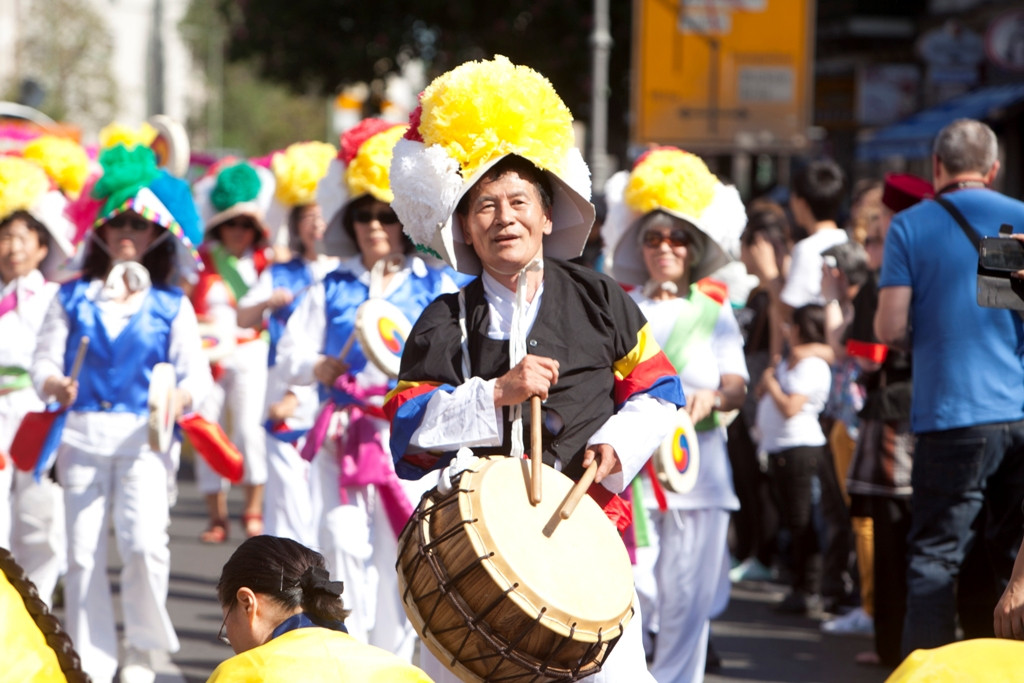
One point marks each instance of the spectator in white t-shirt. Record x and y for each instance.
(791, 396)
(814, 200)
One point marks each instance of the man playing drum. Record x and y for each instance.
(488, 179)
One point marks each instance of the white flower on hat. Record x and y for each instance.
(430, 183)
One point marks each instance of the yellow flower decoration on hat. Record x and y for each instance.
(21, 184)
(671, 179)
(482, 110)
(369, 171)
(298, 169)
(115, 133)
(64, 161)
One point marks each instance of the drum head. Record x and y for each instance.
(170, 145)
(677, 460)
(382, 329)
(575, 573)
(162, 384)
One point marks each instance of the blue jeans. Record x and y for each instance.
(968, 487)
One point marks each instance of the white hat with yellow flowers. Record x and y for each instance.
(469, 119)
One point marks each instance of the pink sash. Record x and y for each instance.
(362, 457)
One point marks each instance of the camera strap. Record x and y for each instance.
(989, 288)
(968, 229)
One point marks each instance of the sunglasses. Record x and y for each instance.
(222, 634)
(676, 238)
(126, 222)
(386, 217)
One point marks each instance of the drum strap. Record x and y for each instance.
(517, 349)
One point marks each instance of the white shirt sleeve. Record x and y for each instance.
(48, 359)
(635, 431)
(304, 337)
(465, 417)
(186, 354)
(812, 378)
(803, 285)
(260, 291)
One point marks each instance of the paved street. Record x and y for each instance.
(755, 643)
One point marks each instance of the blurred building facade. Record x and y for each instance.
(889, 75)
(148, 63)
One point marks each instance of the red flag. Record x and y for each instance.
(37, 437)
(213, 445)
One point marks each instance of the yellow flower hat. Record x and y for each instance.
(64, 160)
(678, 183)
(24, 186)
(468, 120)
(362, 167)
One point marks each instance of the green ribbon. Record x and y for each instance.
(14, 378)
(694, 326)
(640, 532)
(227, 268)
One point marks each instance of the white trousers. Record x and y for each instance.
(237, 402)
(132, 492)
(360, 547)
(38, 537)
(688, 572)
(287, 501)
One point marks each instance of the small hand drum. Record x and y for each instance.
(501, 589)
(163, 383)
(677, 460)
(382, 329)
(170, 145)
(218, 341)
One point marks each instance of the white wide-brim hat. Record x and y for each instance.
(627, 259)
(256, 208)
(678, 184)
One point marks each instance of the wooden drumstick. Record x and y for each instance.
(348, 345)
(83, 345)
(579, 490)
(536, 450)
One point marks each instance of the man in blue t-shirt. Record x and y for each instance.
(968, 388)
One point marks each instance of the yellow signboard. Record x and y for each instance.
(721, 75)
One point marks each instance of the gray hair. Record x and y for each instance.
(966, 146)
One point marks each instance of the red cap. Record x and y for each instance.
(903, 190)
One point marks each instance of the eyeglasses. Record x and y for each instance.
(386, 217)
(127, 222)
(652, 239)
(222, 634)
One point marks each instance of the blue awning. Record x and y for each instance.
(912, 137)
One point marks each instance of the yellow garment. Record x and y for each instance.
(316, 654)
(843, 448)
(28, 658)
(991, 660)
(864, 538)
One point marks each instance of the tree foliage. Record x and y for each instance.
(324, 44)
(243, 112)
(65, 46)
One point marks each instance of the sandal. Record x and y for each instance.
(217, 533)
(253, 524)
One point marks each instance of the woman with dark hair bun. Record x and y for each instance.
(284, 618)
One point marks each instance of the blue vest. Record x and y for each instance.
(294, 276)
(115, 373)
(343, 292)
